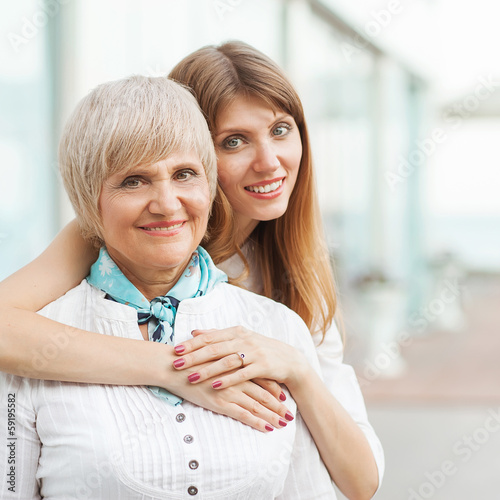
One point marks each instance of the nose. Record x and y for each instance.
(266, 158)
(164, 199)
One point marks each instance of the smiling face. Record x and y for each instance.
(259, 151)
(153, 218)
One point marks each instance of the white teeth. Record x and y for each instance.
(268, 188)
(169, 228)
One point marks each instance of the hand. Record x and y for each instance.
(265, 358)
(248, 402)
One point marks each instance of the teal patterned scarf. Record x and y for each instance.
(199, 278)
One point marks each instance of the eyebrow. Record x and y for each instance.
(189, 164)
(141, 170)
(237, 130)
(232, 130)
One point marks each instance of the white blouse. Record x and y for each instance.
(339, 377)
(88, 441)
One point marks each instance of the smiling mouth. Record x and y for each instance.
(267, 188)
(163, 228)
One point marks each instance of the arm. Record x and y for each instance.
(23, 333)
(307, 477)
(342, 444)
(37, 347)
(342, 382)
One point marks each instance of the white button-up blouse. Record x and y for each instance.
(88, 441)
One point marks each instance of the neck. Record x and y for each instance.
(150, 282)
(153, 288)
(244, 228)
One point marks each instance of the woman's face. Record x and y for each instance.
(259, 151)
(155, 216)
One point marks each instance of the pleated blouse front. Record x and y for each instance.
(118, 442)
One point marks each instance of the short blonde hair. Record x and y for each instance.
(122, 124)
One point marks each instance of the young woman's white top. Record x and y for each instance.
(339, 377)
(89, 441)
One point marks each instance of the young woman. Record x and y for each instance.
(265, 232)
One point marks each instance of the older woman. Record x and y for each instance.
(138, 163)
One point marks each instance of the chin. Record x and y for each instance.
(167, 259)
(271, 215)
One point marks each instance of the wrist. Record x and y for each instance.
(300, 370)
(157, 365)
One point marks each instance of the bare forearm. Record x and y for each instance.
(342, 445)
(36, 347)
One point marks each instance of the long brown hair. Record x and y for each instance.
(290, 251)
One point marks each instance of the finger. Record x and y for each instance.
(245, 416)
(196, 333)
(271, 386)
(265, 406)
(230, 332)
(205, 338)
(207, 354)
(227, 364)
(237, 376)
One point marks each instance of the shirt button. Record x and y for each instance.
(193, 464)
(188, 439)
(180, 417)
(193, 490)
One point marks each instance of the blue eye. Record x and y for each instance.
(232, 142)
(281, 129)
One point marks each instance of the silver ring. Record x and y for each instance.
(242, 358)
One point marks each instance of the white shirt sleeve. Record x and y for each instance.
(20, 445)
(342, 382)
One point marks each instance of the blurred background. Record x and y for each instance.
(403, 108)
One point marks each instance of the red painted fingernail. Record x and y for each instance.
(216, 384)
(282, 396)
(178, 363)
(194, 377)
(179, 349)
(282, 423)
(289, 416)
(269, 428)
